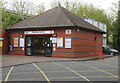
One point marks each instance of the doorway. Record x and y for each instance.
(39, 45)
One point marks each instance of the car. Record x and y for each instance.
(110, 51)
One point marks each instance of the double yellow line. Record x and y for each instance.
(42, 73)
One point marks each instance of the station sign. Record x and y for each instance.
(39, 32)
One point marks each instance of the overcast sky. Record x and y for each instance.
(103, 4)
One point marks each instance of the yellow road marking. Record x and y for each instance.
(99, 70)
(42, 73)
(73, 72)
(6, 79)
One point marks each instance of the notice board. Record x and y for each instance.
(21, 42)
(1, 43)
(15, 42)
(60, 42)
(67, 42)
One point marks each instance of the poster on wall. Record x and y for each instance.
(54, 40)
(15, 42)
(67, 42)
(21, 42)
(60, 42)
(1, 43)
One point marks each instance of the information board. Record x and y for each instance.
(54, 40)
(67, 42)
(21, 42)
(60, 42)
(1, 43)
(15, 42)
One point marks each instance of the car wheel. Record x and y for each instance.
(111, 53)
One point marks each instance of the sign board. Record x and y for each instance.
(54, 40)
(54, 45)
(1, 38)
(67, 42)
(54, 49)
(39, 32)
(23, 48)
(10, 47)
(1, 43)
(60, 42)
(15, 42)
(21, 42)
(68, 31)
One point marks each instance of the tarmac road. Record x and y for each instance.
(94, 71)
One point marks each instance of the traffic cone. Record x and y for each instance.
(100, 57)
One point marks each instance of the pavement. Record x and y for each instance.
(13, 60)
(92, 71)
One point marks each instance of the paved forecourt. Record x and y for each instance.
(88, 71)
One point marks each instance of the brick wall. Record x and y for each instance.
(86, 45)
(16, 50)
(83, 44)
(4, 48)
(64, 52)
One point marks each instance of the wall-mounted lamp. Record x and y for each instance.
(55, 34)
(78, 30)
(21, 35)
(95, 38)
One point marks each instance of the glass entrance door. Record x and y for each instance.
(28, 46)
(48, 46)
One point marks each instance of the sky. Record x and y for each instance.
(102, 4)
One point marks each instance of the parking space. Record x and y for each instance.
(88, 71)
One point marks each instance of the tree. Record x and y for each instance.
(40, 8)
(20, 10)
(9, 18)
(115, 25)
(27, 8)
(2, 7)
(23, 8)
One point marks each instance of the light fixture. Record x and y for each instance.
(78, 30)
(95, 38)
(21, 35)
(55, 34)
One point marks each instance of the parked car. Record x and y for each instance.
(110, 51)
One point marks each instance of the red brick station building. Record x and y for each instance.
(55, 33)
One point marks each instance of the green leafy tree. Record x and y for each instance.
(9, 18)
